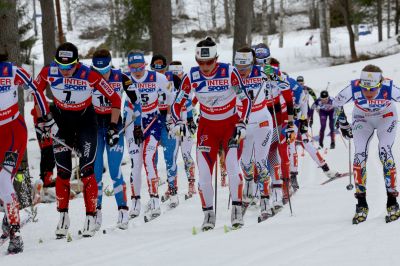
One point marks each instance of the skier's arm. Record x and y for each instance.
(343, 97)
(134, 101)
(288, 96)
(98, 82)
(241, 94)
(181, 98)
(22, 77)
(395, 93)
(312, 93)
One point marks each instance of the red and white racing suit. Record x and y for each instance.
(217, 94)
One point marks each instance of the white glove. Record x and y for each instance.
(179, 129)
(48, 125)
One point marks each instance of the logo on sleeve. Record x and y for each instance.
(10, 159)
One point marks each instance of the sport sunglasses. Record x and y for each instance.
(68, 66)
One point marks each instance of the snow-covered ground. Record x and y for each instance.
(318, 233)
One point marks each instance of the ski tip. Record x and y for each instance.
(226, 228)
(194, 230)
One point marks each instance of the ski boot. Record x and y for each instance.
(265, 208)
(237, 215)
(361, 209)
(332, 145)
(293, 180)
(135, 207)
(123, 218)
(16, 244)
(277, 197)
(248, 193)
(89, 227)
(209, 219)
(153, 208)
(173, 199)
(63, 225)
(329, 173)
(166, 195)
(98, 219)
(392, 208)
(191, 189)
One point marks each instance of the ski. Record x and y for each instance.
(340, 175)
(228, 228)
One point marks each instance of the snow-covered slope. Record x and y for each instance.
(318, 233)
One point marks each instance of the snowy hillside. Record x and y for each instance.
(319, 232)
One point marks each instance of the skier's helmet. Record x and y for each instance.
(206, 50)
(324, 94)
(300, 79)
(66, 56)
(262, 53)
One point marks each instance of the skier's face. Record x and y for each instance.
(159, 66)
(137, 70)
(207, 66)
(324, 100)
(370, 94)
(68, 72)
(244, 70)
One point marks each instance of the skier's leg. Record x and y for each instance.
(332, 129)
(186, 148)
(99, 164)
(322, 119)
(170, 153)
(247, 164)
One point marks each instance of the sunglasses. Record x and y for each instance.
(157, 66)
(261, 61)
(66, 66)
(243, 68)
(102, 70)
(373, 88)
(205, 62)
(137, 69)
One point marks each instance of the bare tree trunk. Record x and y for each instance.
(117, 15)
(9, 43)
(388, 18)
(346, 8)
(161, 28)
(249, 22)
(264, 17)
(227, 17)
(379, 19)
(68, 9)
(48, 35)
(397, 17)
(356, 35)
(240, 28)
(328, 19)
(111, 9)
(313, 14)
(61, 38)
(323, 29)
(272, 25)
(281, 14)
(213, 16)
(180, 8)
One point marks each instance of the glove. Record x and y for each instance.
(47, 125)
(138, 135)
(239, 133)
(112, 135)
(179, 129)
(345, 129)
(290, 135)
(271, 73)
(303, 127)
(191, 125)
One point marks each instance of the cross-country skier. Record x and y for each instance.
(14, 136)
(72, 84)
(101, 62)
(258, 134)
(280, 104)
(308, 92)
(217, 87)
(152, 89)
(373, 97)
(168, 142)
(325, 109)
(186, 142)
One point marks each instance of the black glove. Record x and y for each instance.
(290, 136)
(138, 135)
(112, 135)
(191, 125)
(303, 127)
(47, 125)
(345, 129)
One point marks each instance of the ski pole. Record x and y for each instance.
(62, 143)
(350, 185)
(216, 187)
